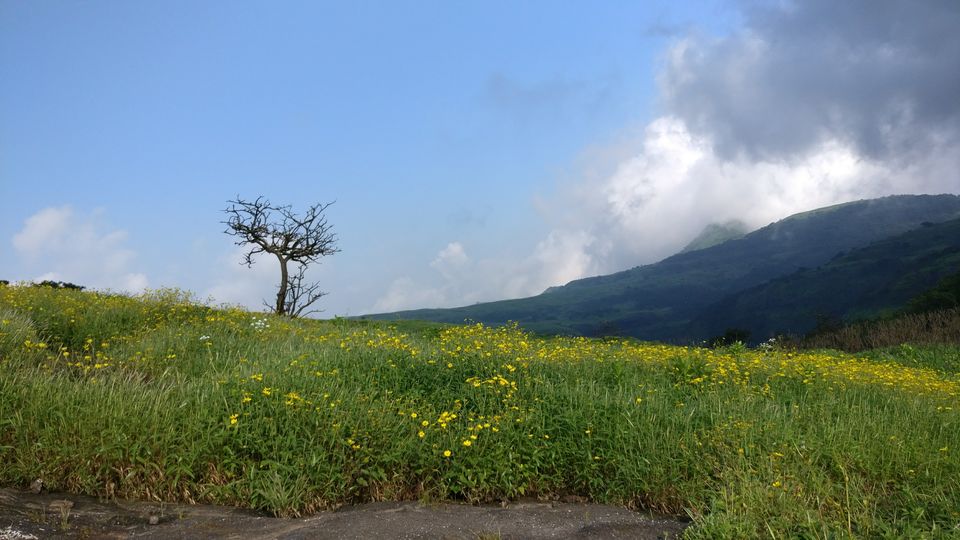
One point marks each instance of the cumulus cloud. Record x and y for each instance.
(58, 244)
(454, 279)
(450, 260)
(564, 255)
(405, 293)
(237, 284)
(452, 271)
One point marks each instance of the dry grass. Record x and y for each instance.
(936, 327)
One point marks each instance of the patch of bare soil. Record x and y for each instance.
(28, 516)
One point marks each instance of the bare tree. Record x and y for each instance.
(290, 238)
(300, 295)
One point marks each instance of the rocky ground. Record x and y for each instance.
(26, 516)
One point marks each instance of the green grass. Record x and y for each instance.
(161, 399)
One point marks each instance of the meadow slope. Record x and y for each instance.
(159, 398)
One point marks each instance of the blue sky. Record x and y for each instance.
(475, 151)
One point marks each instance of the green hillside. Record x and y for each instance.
(661, 300)
(946, 295)
(156, 398)
(865, 282)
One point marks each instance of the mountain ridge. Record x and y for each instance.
(717, 233)
(659, 301)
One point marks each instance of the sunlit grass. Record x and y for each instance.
(157, 397)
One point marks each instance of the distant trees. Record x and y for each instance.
(276, 230)
(945, 295)
(730, 336)
(59, 285)
(47, 283)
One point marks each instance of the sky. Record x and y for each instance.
(473, 151)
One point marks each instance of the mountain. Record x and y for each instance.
(661, 301)
(717, 233)
(864, 283)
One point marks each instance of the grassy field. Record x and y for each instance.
(160, 398)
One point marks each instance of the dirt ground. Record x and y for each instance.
(28, 516)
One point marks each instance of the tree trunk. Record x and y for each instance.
(282, 293)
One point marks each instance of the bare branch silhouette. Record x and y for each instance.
(277, 230)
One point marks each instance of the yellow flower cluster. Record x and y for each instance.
(756, 369)
(88, 333)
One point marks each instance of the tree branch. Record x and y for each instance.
(301, 296)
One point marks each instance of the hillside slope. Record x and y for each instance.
(865, 282)
(659, 301)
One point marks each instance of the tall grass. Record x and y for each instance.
(934, 327)
(161, 399)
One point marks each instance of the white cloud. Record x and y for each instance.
(404, 293)
(450, 260)
(459, 280)
(248, 287)
(453, 272)
(676, 184)
(564, 255)
(134, 282)
(56, 243)
(44, 231)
